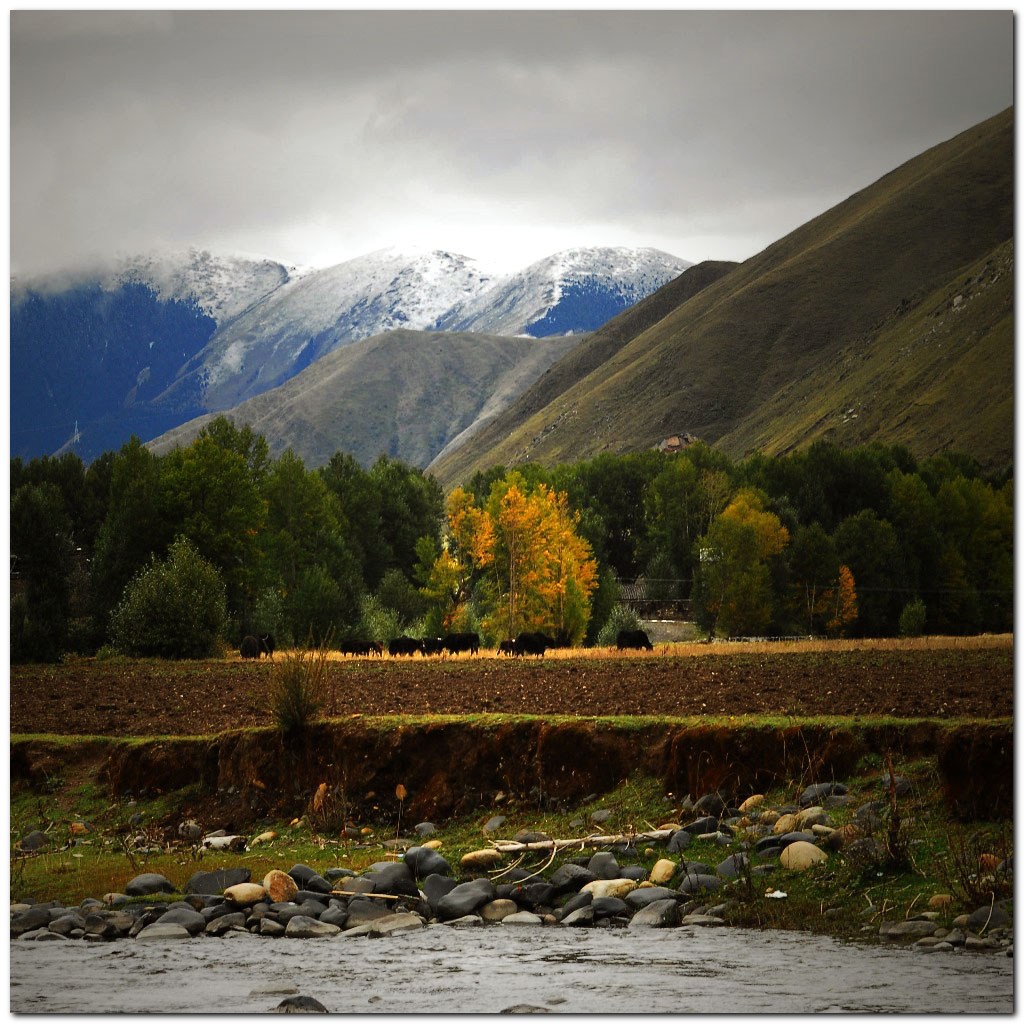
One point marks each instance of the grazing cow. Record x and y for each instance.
(267, 644)
(532, 643)
(456, 642)
(250, 647)
(402, 645)
(432, 645)
(633, 639)
(361, 647)
(508, 648)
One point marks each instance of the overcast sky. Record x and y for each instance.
(316, 137)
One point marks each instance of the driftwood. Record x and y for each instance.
(368, 895)
(554, 845)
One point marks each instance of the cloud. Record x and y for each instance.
(315, 136)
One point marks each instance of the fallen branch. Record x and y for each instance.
(368, 895)
(508, 846)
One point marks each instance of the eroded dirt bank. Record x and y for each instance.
(454, 767)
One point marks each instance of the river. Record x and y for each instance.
(485, 970)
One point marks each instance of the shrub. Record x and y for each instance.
(912, 618)
(377, 622)
(298, 688)
(172, 609)
(621, 617)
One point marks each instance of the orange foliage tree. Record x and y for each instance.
(530, 568)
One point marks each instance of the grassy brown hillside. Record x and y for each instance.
(403, 393)
(836, 316)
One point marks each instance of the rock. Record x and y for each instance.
(493, 824)
(659, 914)
(433, 844)
(67, 923)
(192, 921)
(785, 823)
(268, 926)
(711, 803)
(634, 871)
(436, 886)
(640, 898)
(610, 887)
(799, 856)
(704, 920)
(317, 884)
(604, 865)
(45, 935)
(896, 930)
(608, 906)
(466, 921)
(226, 923)
(751, 802)
(702, 826)
(815, 794)
(115, 899)
(300, 1004)
(537, 894)
(425, 828)
(581, 917)
(363, 911)
(212, 883)
(356, 885)
(161, 932)
(333, 874)
(975, 943)
(734, 866)
(308, 908)
(903, 787)
(335, 915)
(601, 816)
(811, 816)
(529, 836)
(570, 878)
(525, 1008)
(679, 841)
(35, 840)
(663, 871)
(245, 894)
(465, 898)
(788, 838)
(481, 859)
(422, 862)
(309, 928)
(581, 899)
(148, 885)
(988, 918)
(522, 917)
(498, 910)
(700, 883)
(29, 920)
(394, 878)
(396, 924)
(280, 887)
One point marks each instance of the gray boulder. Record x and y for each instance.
(29, 920)
(465, 898)
(422, 861)
(161, 932)
(191, 920)
(436, 886)
(734, 866)
(700, 883)
(603, 865)
(362, 912)
(640, 898)
(226, 923)
(309, 928)
(702, 826)
(582, 917)
(571, 878)
(393, 878)
(659, 914)
(820, 791)
(989, 917)
(148, 885)
(679, 841)
(212, 883)
(608, 906)
(300, 1004)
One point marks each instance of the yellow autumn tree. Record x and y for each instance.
(844, 598)
(531, 568)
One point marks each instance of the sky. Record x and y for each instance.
(316, 137)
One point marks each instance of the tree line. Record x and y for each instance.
(217, 540)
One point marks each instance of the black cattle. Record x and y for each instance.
(402, 645)
(361, 647)
(633, 639)
(508, 648)
(267, 644)
(432, 645)
(250, 647)
(456, 642)
(532, 643)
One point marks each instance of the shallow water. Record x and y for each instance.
(485, 970)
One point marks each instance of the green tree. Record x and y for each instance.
(869, 546)
(814, 573)
(173, 608)
(43, 550)
(734, 591)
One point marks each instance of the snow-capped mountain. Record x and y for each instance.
(160, 339)
(309, 317)
(571, 292)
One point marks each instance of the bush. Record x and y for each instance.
(298, 688)
(912, 618)
(377, 622)
(172, 609)
(621, 617)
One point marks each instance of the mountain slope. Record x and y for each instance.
(305, 320)
(826, 291)
(403, 393)
(570, 292)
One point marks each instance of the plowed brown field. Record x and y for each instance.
(938, 678)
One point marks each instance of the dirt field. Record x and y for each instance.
(935, 678)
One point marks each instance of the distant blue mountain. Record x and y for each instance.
(98, 358)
